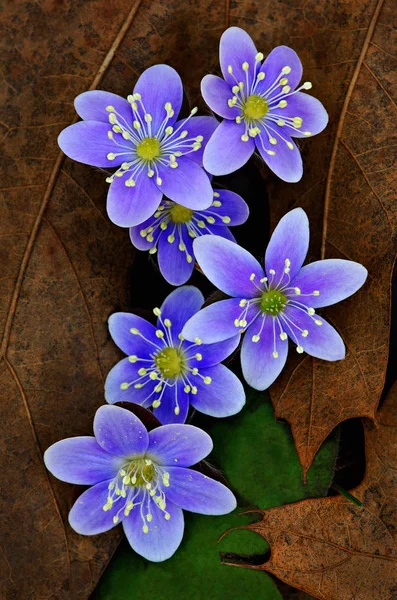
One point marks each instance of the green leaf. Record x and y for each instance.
(258, 457)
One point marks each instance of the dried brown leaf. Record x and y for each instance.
(330, 547)
(349, 192)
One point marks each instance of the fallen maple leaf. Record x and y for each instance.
(339, 547)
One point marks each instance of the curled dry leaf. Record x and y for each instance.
(335, 548)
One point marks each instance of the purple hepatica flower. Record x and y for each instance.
(138, 478)
(171, 231)
(155, 154)
(168, 373)
(274, 306)
(261, 106)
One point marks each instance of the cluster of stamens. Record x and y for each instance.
(136, 484)
(168, 364)
(274, 297)
(175, 218)
(145, 149)
(260, 111)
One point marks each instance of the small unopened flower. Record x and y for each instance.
(153, 152)
(171, 230)
(262, 108)
(274, 304)
(166, 372)
(139, 479)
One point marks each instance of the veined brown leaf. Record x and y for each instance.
(349, 192)
(343, 547)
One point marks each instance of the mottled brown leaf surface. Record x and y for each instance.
(63, 266)
(349, 191)
(58, 285)
(334, 549)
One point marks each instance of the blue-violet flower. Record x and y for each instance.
(155, 154)
(168, 373)
(261, 108)
(139, 479)
(273, 305)
(172, 228)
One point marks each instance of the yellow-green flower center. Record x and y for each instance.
(273, 302)
(181, 214)
(170, 362)
(144, 473)
(148, 149)
(255, 108)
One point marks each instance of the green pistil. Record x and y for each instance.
(273, 302)
(170, 362)
(148, 149)
(146, 473)
(181, 214)
(255, 108)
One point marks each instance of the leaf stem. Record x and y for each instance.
(346, 494)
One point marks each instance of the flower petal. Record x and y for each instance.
(198, 493)
(289, 241)
(87, 516)
(178, 445)
(285, 162)
(321, 342)
(334, 278)
(188, 184)
(228, 266)
(126, 372)
(179, 306)
(137, 239)
(120, 432)
(226, 152)
(158, 85)
(232, 206)
(215, 322)
(195, 126)
(216, 92)
(280, 57)
(173, 398)
(212, 354)
(91, 106)
(235, 48)
(88, 143)
(81, 460)
(164, 536)
(173, 262)
(223, 397)
(141, 344)
(260, 368)
(310, 110)
(129, 206)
